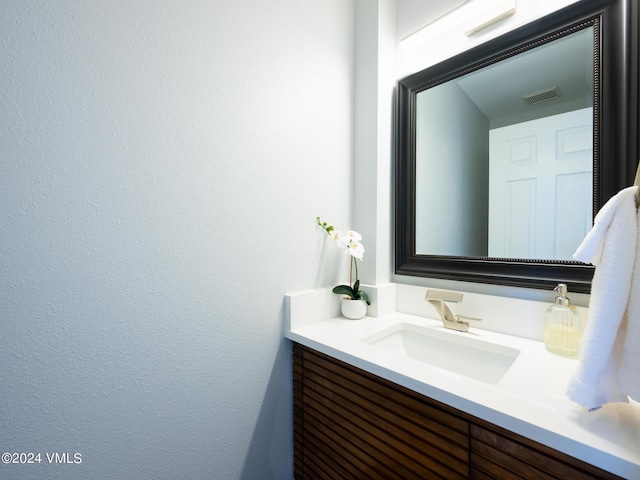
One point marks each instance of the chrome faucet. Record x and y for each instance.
(437, 299)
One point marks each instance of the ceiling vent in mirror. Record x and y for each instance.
(541, 96)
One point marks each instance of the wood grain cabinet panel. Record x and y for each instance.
(499, 454)
(351, 424)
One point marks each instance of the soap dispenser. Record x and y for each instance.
(562, 326)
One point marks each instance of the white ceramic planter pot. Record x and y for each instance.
(353, 309)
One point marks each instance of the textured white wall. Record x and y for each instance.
(161, 165)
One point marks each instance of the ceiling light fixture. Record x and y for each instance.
(490, 13)
(472, 15)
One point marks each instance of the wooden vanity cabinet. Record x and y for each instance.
(351, 424)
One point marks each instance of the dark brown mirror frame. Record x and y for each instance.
(616, 139)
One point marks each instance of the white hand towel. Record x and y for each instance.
(611, 247)
(629, 335)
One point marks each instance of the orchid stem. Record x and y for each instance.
(356, 264)
(351, 272)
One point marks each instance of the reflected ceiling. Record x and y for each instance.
(498, 91)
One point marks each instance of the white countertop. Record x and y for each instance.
(529, 400)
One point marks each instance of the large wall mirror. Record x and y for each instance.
(506, 152)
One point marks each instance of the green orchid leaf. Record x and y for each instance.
(363, 296)
(344, 290)
(356, 286)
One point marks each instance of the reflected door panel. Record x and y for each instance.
(540, 201)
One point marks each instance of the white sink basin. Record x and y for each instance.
(455, 352)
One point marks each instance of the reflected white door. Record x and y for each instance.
(541, 188)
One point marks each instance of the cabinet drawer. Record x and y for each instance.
(503, 457)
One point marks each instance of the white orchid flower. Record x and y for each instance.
(343, 239)
(353, 235)
(338, 237)
(355, 249)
